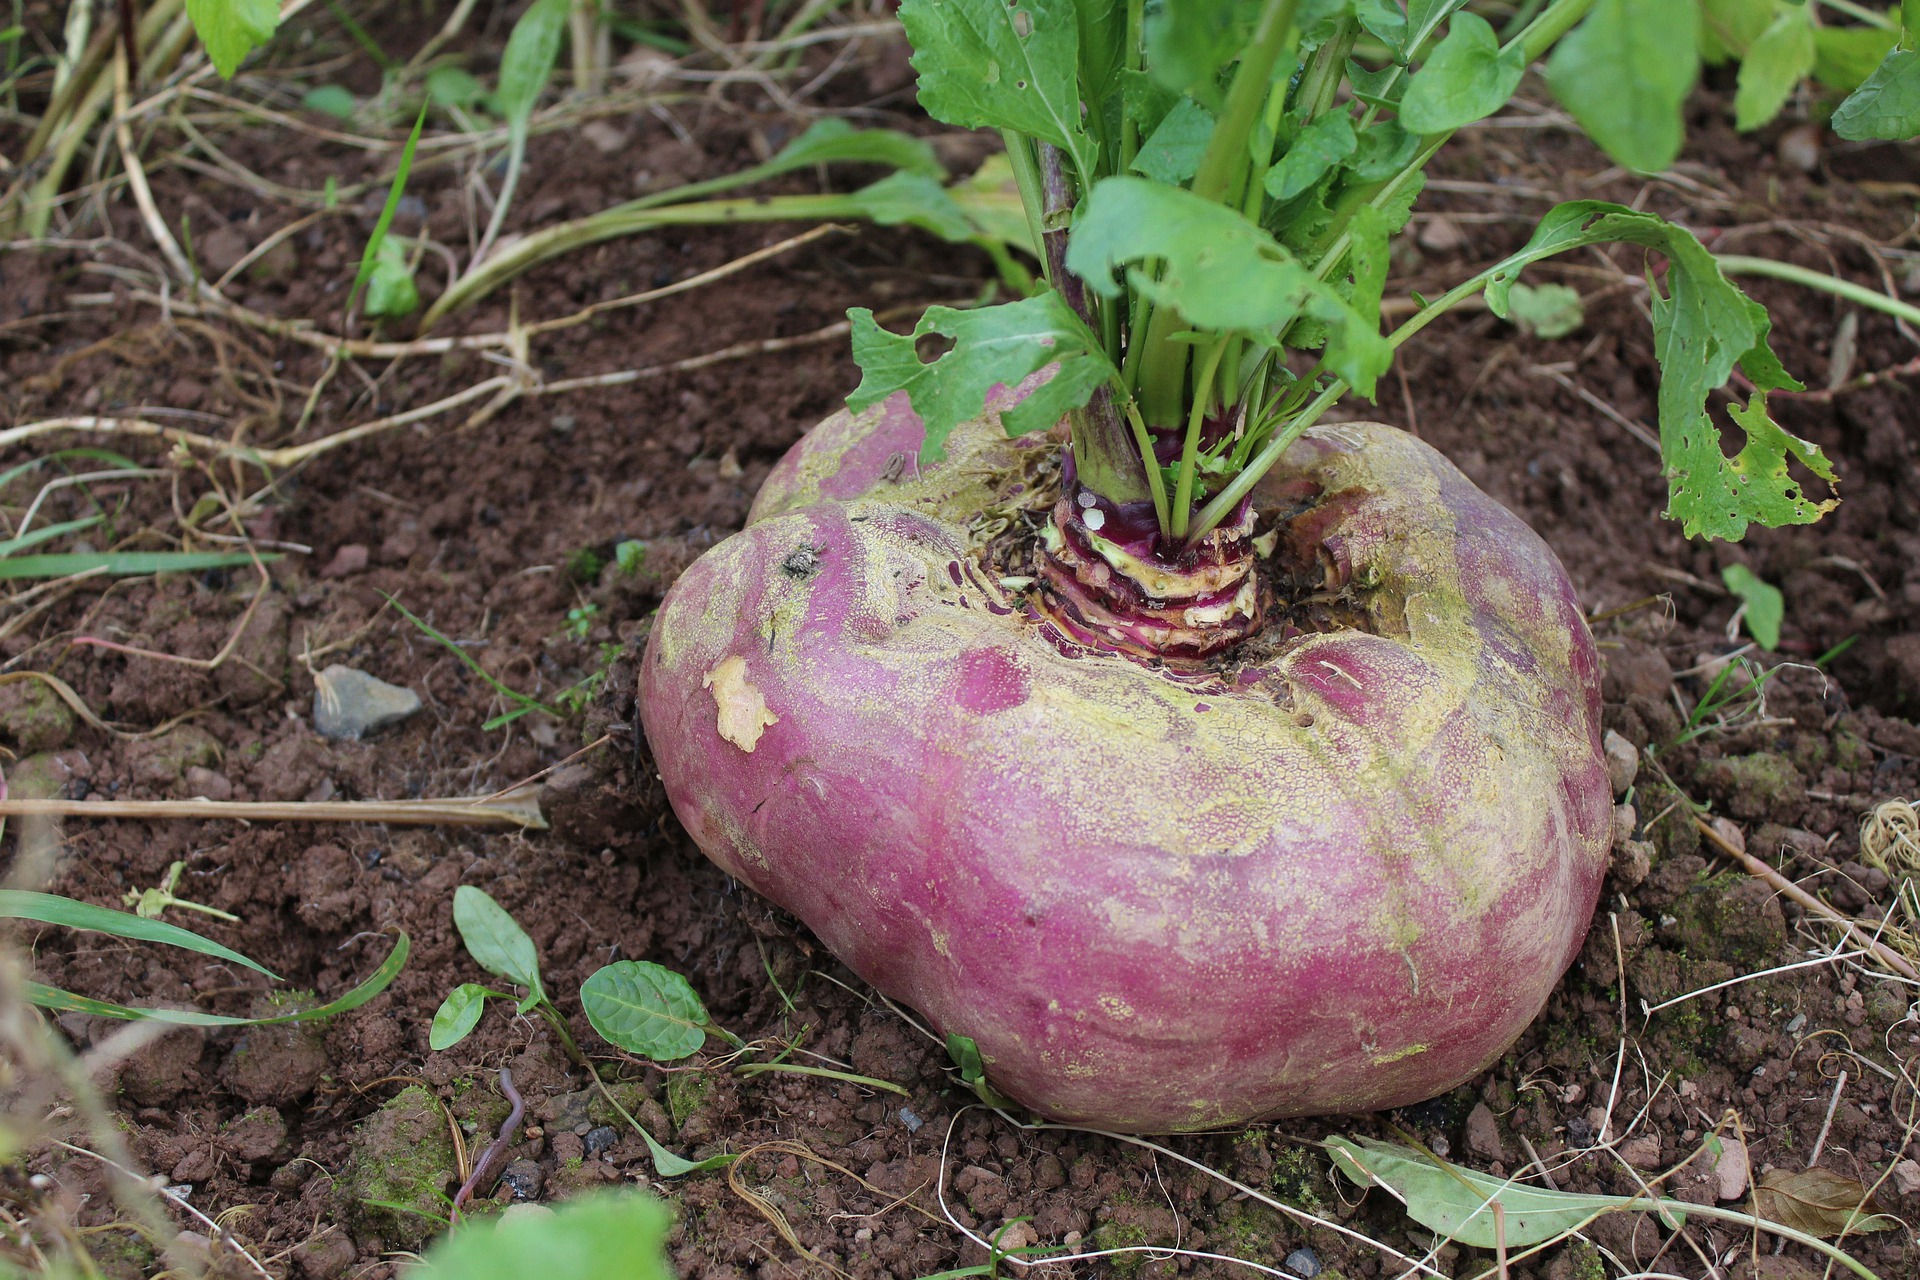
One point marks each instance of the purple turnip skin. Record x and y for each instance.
(1342, 876)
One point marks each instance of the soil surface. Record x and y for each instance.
(502, 536)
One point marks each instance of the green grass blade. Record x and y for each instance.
(51, 908)
(54, 998)
(369, 259)
(472, 664)
(121, 564)
(47, 533)
(11, 474)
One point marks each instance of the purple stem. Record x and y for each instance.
(487, 1168)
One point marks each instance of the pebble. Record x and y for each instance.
(1483, 1133)
(1632, 862)
(1800, 148)
(1641, 1153)
(349, 704)
(598, 1140)
(1623, 762)
(350, 558)
(1730, 833)
(1906, 1177)
(208, 784)
(524, 1179)
(1625, 820)
(1732, 1169)
(1796, 1022)
(1440, 235)
(909, 1119)
(1305, 1263)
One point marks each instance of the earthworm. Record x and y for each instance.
(487, 1168)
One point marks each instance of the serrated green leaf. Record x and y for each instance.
(457, 1016)
(50, 908)
(1218, 270)
(609, 1234)
(390, 288)
(45, 997)
(1171, 154)
(1703, 327)
(1778, 59)
(1456, 1202)
(1887, 105)
(1624, 73)
(332, 100)
(1467, 77)
(496, 941)
(1002, 64)
(1547, 311)
(231, 29)
(991, 346)
(1766, 607)
(645, 1009)
(1321, 145)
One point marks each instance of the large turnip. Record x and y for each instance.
(1342, 872)
(1197, 762)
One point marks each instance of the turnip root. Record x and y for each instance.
(1331, 870)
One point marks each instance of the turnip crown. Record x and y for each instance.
(1212, 186)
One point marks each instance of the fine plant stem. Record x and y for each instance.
(1026, 176)
(1129, 127)
(1737, 265)
(1190, 448)
(1156, 484)
(1864, 14)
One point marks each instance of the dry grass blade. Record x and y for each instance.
(512, 810)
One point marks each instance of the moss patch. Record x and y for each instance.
(1761, 785)
(396, 1178)
(687, 1092)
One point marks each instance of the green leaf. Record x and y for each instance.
(1467, 77)
(390, 289)
(1456, 1202)
(991, 346)
(1171, 154)
(60, 1001)
(1386, 22)
(1624, 73)
(496, 941)
(1002, 64)
(1188, 42)
(1766, 609)
(645, 1009)
(1887, 105)
(120, 564)
(607, 1234)
(1731, 26)
(231, 29)
(1703, 326)
(47, 533)
(526, 64)
(1547, 311)
(49, 908)
(966, 1056)
(916, 200)
(1320, 146)
(331, 100)
(831, 140)
(450, 86)
(1774, 64)
(1845, 56)
(669, 1165)
(457, 1016)
(370, 257)
(1218, 270)
(1384, 150)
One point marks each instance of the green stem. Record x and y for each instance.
(1736, 265)
(1270, 453)
(1156, 484)
(1190, 449)
(1026, 176)
(1129, 127)
(1864, 14)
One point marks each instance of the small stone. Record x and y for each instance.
(1019, 1235)
(523, 1179)
(1624, 822)
(606, 137)
(1440, 234)
(1906, 1177)
(1641, 1153)
(326, 1256)
(1729, 833)
(1800, 148)
(601, 1139)
(1304, 1263)
(909, 1119)
(1483, 1133)
(348, 559)
(1623, 762)
(1796, 1022)
(207, 784)
(349, 704)
(33, 719)
(1732, 1169)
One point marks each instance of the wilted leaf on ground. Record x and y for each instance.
(1547, 310)
(1818, 1202)
(1766, 607)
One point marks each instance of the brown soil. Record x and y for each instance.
(500, 536)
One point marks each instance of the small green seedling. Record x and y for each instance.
(150, 903)
(634, 1005)
(1762, 607)
(580, 620)
(629, 557)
